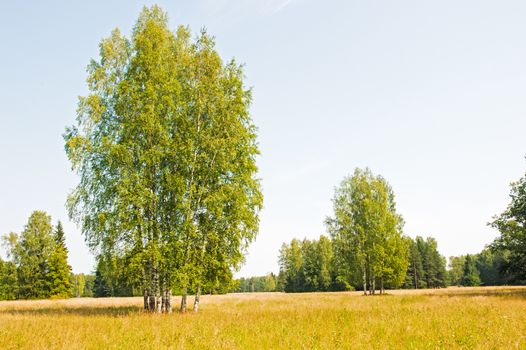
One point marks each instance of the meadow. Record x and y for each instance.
(464, 318)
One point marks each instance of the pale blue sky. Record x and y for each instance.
(430, 94)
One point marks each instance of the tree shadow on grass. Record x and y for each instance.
(112, 311)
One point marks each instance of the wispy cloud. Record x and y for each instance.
(278, 5)
(239, 7)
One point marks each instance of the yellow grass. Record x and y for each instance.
(469, 318)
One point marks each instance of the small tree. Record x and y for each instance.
(367, 231)
(31, 252)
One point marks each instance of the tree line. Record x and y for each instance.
(257, 284)
(314, 266)
(490, 267)
(38, 265)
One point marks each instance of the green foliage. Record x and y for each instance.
(367, 232)
(111, 279)
(165, 149)
(456, 270)
(512, 227)
(318, 258)
(101, 286)
(82, 285)
(291, 264)
(491, 265)
(265, 283)
(59, 269)
(487, 268)
(8, 281)
(281, 281)
(433, 263)
(39, 267)
(415, 277)
(307, 266)
(31, 252)
(470, 275)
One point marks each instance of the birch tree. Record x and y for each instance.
(367, 231)
(165, 149)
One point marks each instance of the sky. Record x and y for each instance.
(429, 94)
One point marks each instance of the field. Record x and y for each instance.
(470, 318)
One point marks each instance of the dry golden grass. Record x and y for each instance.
(469, 318)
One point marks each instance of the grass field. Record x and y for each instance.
(470, 318)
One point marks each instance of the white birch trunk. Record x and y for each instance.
(364, 281)
(183, 301)
(196, 301)
(145, 296)
(168, 304)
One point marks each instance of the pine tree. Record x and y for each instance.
(415, 271)
(101, 286)
(470, 274)
(59, 269)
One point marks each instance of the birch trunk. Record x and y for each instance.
(370, 282)
(157, 288)
(145, 295)
(364, 281)
(168, 303)
(158, 306)
(183, 301)
(163, 301)
(151, 301)
(196, 301)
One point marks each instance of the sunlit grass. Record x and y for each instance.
(470, 318)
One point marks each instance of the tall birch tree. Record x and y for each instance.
(367, 231)
(165, 149)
